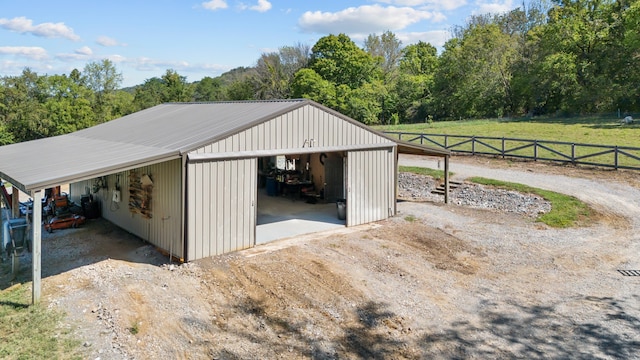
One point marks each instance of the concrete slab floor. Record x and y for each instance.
(284, 217)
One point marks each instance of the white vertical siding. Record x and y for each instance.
(370, 183)
(290, 130)
(163, 228)
(221, 203)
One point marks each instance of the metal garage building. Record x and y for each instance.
(184, 176)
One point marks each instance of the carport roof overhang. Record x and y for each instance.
(54, 161)
(405, 147)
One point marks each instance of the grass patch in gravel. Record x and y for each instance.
(566, 211)
(32, 332)
(436, 174)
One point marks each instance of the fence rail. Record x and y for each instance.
(617, 157)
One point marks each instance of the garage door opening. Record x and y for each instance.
(300, 194)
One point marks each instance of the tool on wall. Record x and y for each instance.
(117, 196)
(99, 183)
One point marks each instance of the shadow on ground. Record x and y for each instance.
(531, 332)
(540, 332)
(67, 249)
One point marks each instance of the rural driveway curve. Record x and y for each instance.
(615, 197)
(607, 196)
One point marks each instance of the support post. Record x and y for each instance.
(446, 179)
(15, 202)
(36, 228)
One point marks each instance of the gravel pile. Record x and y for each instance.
(416, 187)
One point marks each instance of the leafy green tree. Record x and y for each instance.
(68, 106)
(626, 31)
(176, 88)
(208, 89)
(172, 87)
(271, 81)
(240, 90)
(415, 85)
(22, 108)
(365, 103)
(310, 85)
(238, 83)
(122, 103)
(6, 137)
(581, 31)
(103, 79)
(275, 71)
(522, 24)
(474, 76)
(149, 94)
(388, 48)
(337, 59)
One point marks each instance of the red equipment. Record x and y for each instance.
(64, 222)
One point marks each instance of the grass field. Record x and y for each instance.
(580, 130)
(586, 130)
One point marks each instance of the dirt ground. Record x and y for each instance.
(436, 281)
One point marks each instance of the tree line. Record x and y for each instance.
(556, 57)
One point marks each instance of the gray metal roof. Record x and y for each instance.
(157, 134)
(153, 135)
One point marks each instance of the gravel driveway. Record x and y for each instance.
(610, 196)
(552, 293)
(435, 282)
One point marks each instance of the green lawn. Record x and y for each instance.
(436, 174)
(585, 130)
(32, 332)
(566, 211)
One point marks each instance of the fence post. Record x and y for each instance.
(615, 160)
(446, 141)
(535, 150)
(502, 153)
(573, 153)
(421, 139)
(473, 145)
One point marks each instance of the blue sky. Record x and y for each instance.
(206, 38)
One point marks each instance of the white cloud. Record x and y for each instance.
(107, 41)
(428, 4)
(85, 50)
(495, 7)
(82, 54)
(215, 4)
(49, 30)
(437, 38)
(30, 52)
(148, 64)
(364, 19)
(262, 6)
